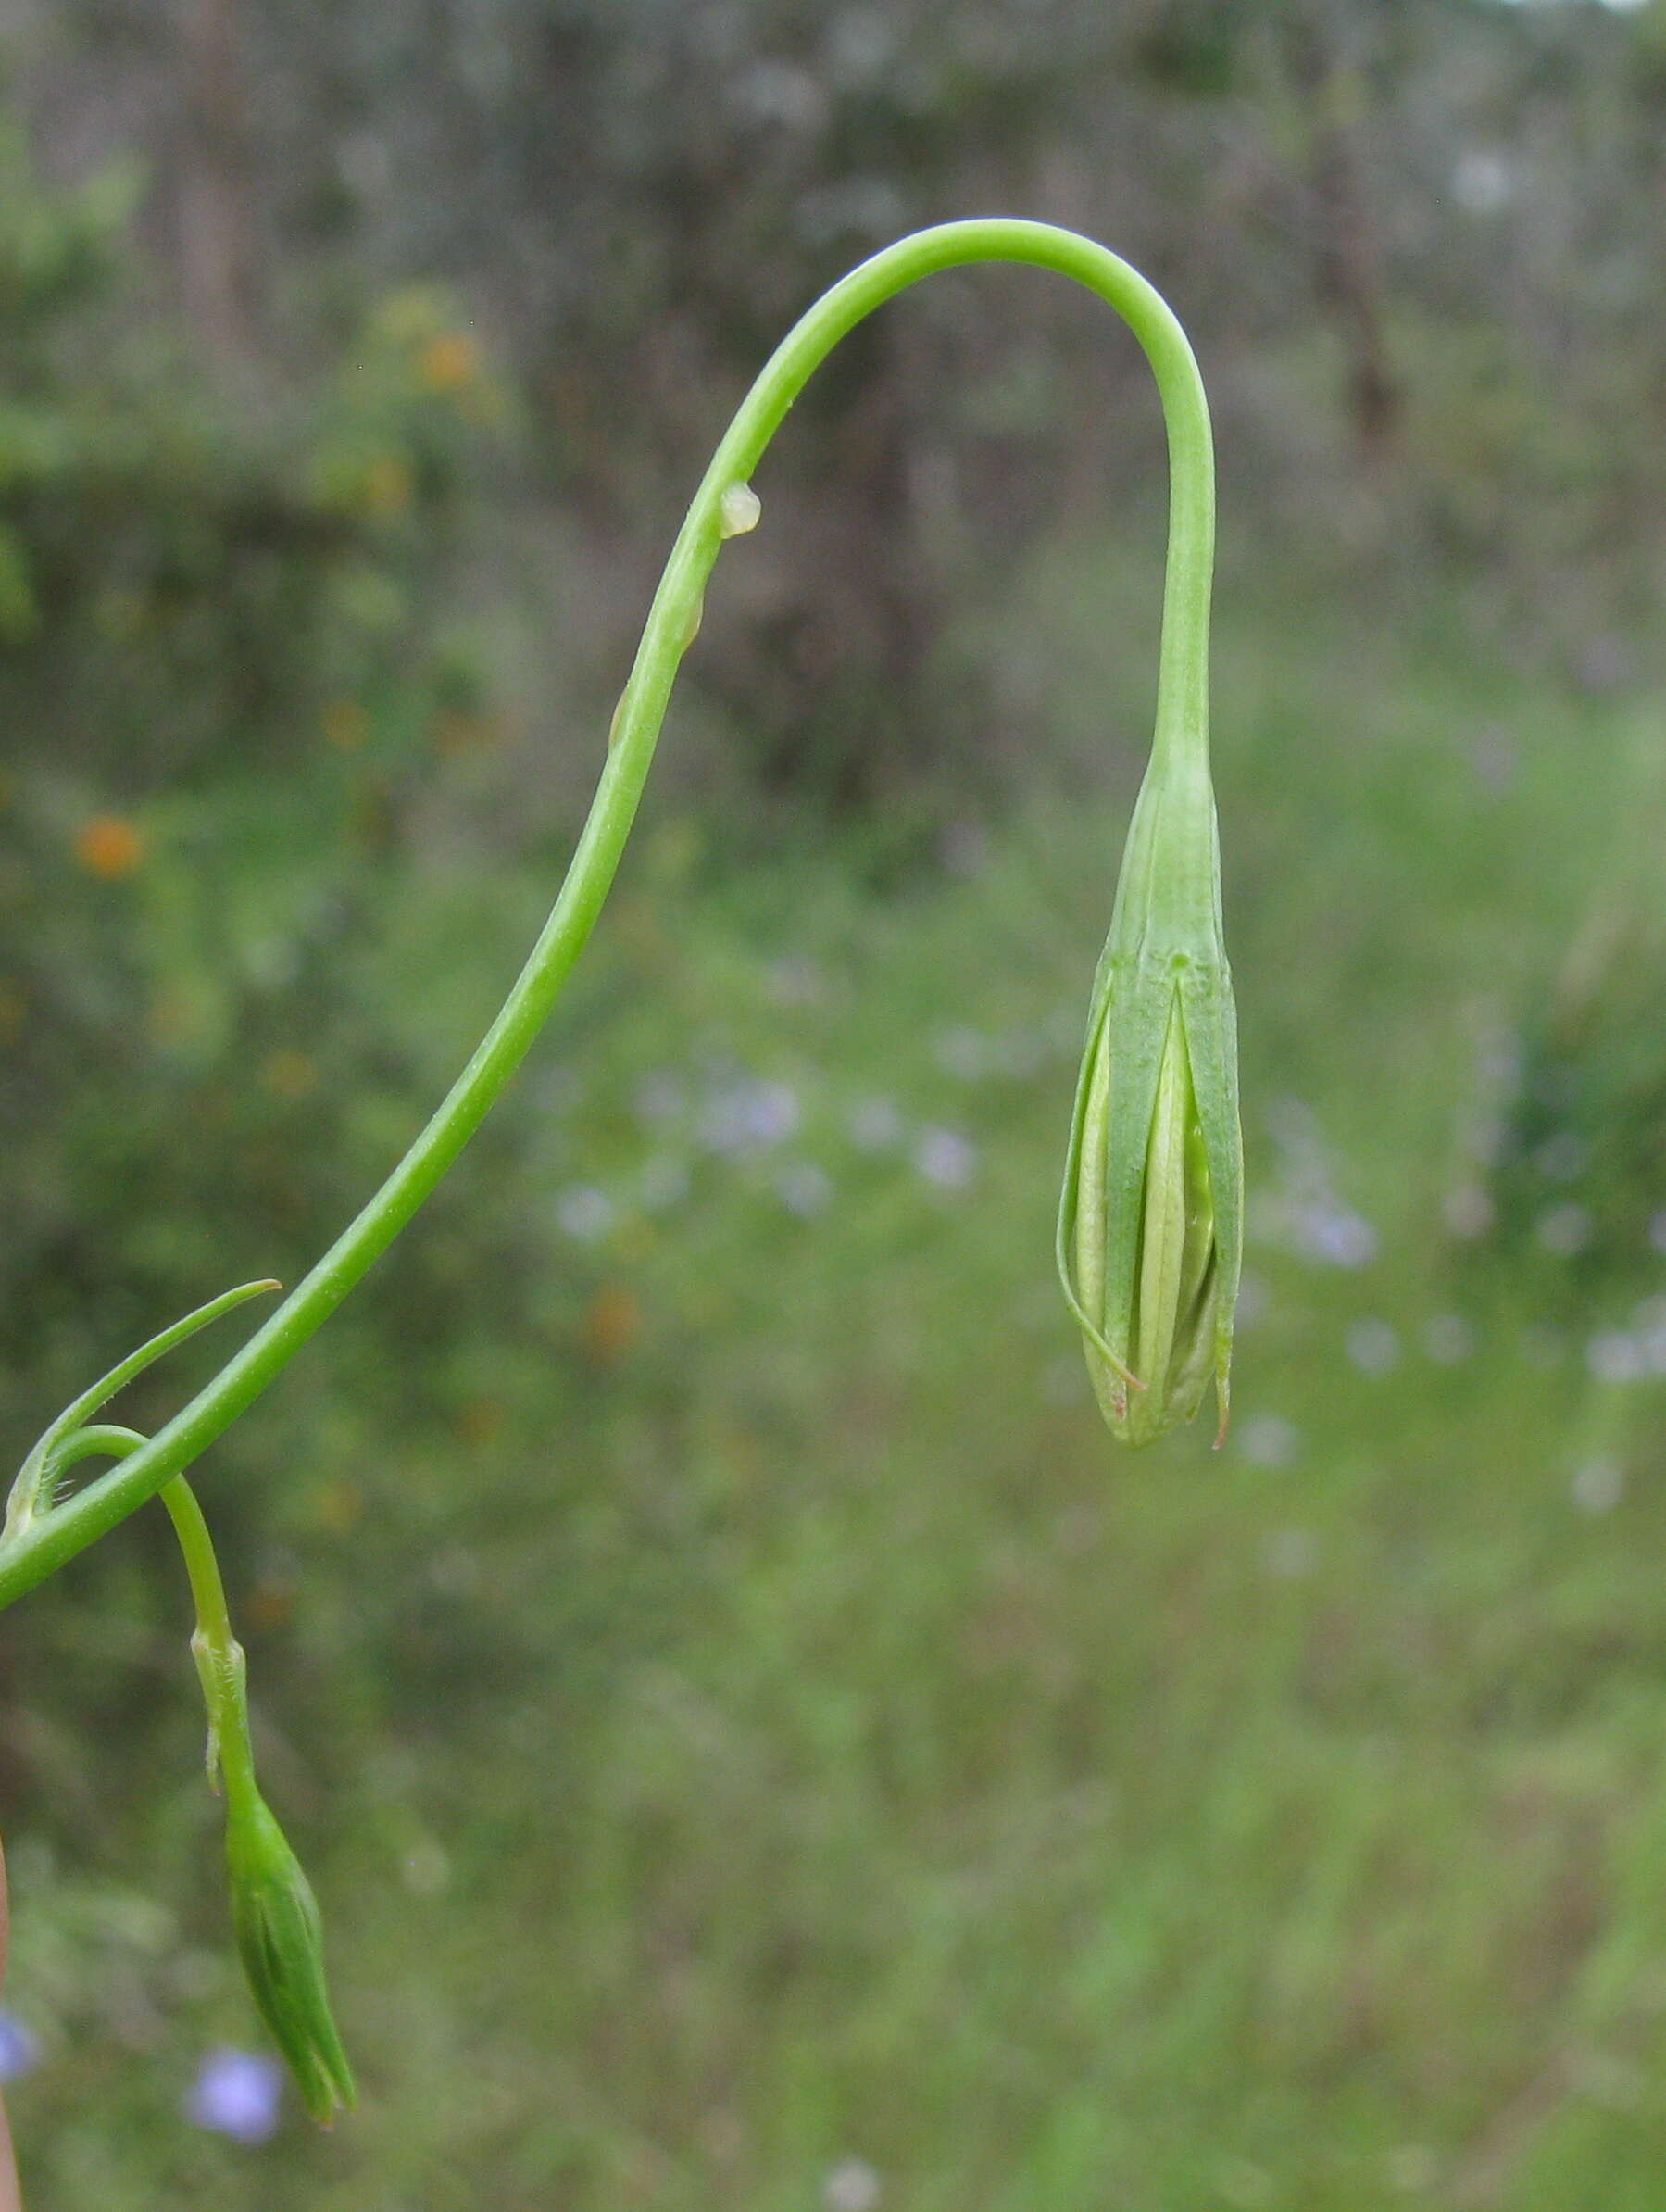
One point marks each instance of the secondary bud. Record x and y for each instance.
(282, 1940)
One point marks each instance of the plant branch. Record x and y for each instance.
(51, 1539)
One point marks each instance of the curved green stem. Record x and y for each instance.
(214, 1645)
(31, 1493)
(1181, 740)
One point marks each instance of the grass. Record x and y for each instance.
(748, 1724)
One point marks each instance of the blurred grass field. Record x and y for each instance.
(756, 1741)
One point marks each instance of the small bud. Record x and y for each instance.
(1150, 1223)
(738, 509)
(280, 1937)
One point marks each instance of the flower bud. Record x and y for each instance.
(1150, 1222)
(280, 1937)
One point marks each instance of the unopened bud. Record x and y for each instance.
(1150, 1226)
(281, 1941)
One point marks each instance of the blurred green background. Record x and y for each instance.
(757, 1744)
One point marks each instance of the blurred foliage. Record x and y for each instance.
(1417, 248)
(1581, 1128)
(751, 1749)
(224, 609)
(744, 1724)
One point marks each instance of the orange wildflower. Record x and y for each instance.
(450, 362)
(109, 847)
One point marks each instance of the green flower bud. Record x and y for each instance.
(282, 1940)
(1150, 1225)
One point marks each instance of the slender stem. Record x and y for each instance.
(1182, 736)
(31, 1493)
(214, 1645)
(208, 1591)
(218, 1654)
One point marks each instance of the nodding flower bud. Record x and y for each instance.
(280, 1937)
(1150, 1225)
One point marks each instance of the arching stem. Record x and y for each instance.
(214, 1645)
(1181, 742)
